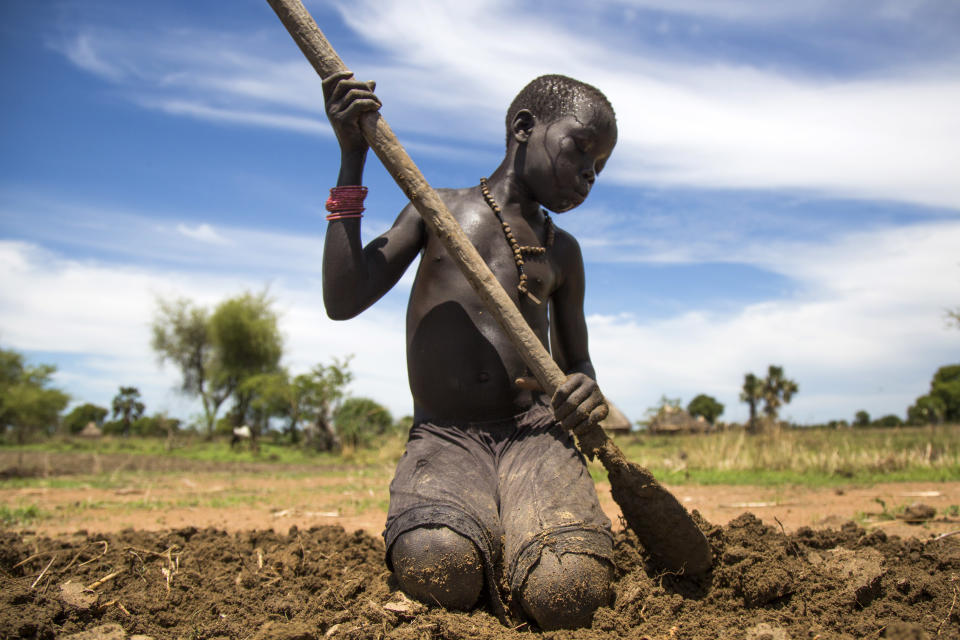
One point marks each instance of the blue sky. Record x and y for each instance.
(785, 187)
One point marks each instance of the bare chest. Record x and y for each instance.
(536, 267)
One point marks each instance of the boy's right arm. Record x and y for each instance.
(354, 276)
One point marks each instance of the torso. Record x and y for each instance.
(460, 363)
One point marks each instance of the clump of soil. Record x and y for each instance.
(324, 582)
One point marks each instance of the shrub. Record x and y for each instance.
(360, 420)
(891, 420)
(79, 417)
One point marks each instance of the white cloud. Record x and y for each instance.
(201, 111)
(97, 317)
(865, 330)
(83, 52)
(202, 232)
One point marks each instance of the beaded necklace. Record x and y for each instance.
(518, 250)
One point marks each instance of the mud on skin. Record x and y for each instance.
(836, 584)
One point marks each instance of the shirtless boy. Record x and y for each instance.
(491, 497)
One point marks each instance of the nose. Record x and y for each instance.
(589, 174)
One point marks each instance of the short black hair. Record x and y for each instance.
(553, 96)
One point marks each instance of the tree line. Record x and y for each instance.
(229, 358)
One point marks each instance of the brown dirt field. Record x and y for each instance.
(324, 582)
(217, 551)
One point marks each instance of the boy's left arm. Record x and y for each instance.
(578, 401)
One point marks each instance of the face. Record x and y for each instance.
(563, 158)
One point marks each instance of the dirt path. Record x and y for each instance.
(358, 500)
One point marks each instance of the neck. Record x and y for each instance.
(509, 191)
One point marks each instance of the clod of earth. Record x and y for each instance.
(324, 582)
(918, 512)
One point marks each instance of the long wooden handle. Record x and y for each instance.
(438, 218)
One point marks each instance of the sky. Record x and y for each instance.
(785, 189)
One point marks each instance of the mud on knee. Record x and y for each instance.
(437, 565)
(563, 591)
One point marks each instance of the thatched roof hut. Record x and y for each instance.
(615, 420)
(91, 431)
(675, 420)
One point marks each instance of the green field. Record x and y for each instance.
(809, 457)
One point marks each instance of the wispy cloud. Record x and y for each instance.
(886, 132)
(202, 232)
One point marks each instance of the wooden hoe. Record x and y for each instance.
(661, 523)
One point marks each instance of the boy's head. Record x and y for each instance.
(554, 96)
(565, 131)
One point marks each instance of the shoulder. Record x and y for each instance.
(454, 199)
(566, 247)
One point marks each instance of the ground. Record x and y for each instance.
(174, 548)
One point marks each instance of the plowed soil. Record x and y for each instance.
(326, 582)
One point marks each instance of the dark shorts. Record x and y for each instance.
(511, 486)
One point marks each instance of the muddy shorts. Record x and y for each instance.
(511, 486)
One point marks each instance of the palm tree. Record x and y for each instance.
(752, 393)
(777, 391)
(127, 407)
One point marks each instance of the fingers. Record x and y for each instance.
(528, 384)
(341, 92)
(578, 402)
(356, 107)
(330, 82)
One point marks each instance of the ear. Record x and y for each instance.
(522, 125)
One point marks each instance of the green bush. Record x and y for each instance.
(79, 417)
(891, 420)
(155, 426)
(360, 420)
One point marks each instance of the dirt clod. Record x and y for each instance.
(918, 512)
(77, 596)
(327, 583)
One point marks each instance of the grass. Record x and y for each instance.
(19, 515)
(807, 457)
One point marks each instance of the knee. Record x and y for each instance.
(563, 591)
(438, 566)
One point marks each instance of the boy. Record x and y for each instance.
(491, 491)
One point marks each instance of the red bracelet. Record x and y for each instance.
(346, 202)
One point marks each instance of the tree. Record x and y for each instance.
(216, 353)
(946, 386)
(926, 410)
(181, 335)
(891, 420)
(81, 416)
(751, 393)
(360, 420)
(942, 403)
(247, 343)
(159, 425)
(777, 390)
(27, 403)
(861, 419)
(127, 407)
(706, 406)
(323, 391)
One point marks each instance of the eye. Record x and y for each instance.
(583, 144)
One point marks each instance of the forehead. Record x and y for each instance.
(587, 119)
